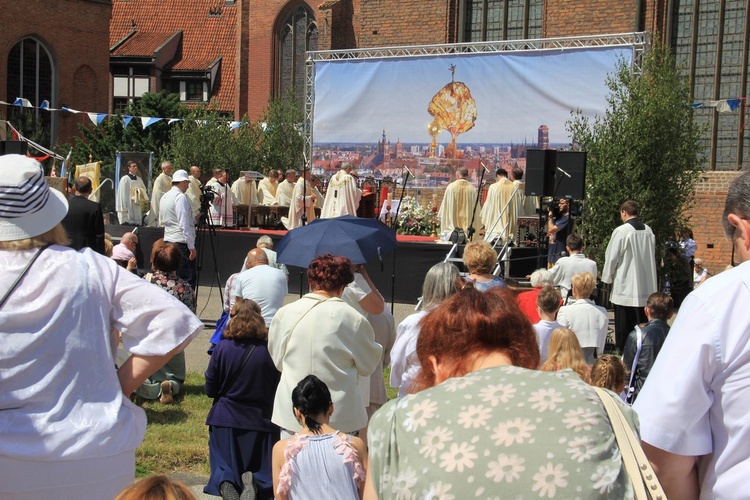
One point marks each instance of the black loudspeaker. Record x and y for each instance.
(574, 163)
(13, 147)
(540, 172)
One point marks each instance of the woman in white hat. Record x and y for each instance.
(68, 429)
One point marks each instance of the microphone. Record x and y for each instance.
(484, 167)
(564, 173)
(407, 169)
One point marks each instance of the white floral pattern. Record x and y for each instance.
(548, 479)
(506, 468)
(501, 432)
(474, 417)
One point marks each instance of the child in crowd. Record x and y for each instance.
(156, 488)
(589, 321)
(608, 372)
(318, 461)
(547, 304)
(565, 352)
(645, 342)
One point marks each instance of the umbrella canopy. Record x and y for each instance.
(358, 239)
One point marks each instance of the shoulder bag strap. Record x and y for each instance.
(642, 475)
(318, 302)
(23, 273)
(233, 378)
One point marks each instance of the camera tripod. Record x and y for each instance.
(206, 227)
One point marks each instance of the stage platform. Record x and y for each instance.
(398, 277)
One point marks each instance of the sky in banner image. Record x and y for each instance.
(515, 93)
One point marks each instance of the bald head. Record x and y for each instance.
(256, 257)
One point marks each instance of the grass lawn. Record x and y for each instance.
(177, 436)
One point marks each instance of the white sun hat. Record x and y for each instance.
(28, 205)
(179, 176)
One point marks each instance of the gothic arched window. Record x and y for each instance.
(297, 34)
(30, 76)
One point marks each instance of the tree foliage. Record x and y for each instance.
(646, 148)
(205, 139)
(282, 144)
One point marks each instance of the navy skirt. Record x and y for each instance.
(235, 451)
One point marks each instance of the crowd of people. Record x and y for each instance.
(300, 194)
(489, 387)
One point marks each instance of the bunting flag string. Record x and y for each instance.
(98, 118)
(721, 105)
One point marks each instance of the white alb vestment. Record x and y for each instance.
(342, 196)
(245, 192)
(500, 210)
(193, 194)
(458, 203)
(267, 191)
(222, 207)
(630, 265)
(131, 192)
(696, 400)
(284, 193)
(300, 204)
(162, 184)
(333, 342)
(67, 429)
(527, 205)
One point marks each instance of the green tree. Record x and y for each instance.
(282, 144)
(205, 139)
(646, 148)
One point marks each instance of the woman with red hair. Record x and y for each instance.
(485, 421)
(322, 335)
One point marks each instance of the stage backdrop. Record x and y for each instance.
(514, 93)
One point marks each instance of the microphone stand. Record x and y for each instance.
(470, 231)
(398, 209)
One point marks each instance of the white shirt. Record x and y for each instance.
(588, 321)
(567, 267)
(264, 285)
(696, 400)
(404, 361)
(630, 266)
(61, 400)
(176, 215)
(543, 331)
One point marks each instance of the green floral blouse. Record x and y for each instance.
(502, 432)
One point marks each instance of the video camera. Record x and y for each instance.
(207, 195)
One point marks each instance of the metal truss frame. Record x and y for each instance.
(639, 41)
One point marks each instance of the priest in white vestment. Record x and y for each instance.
(194, 190)
(342, 196)
(244, 190)
(131, 193)
(500, 210)
(303, 202)
(458, 202)
(267, 187)
(162, 184)
(286, 188)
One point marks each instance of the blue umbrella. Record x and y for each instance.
(358, 239)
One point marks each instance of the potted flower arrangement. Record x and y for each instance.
(414, 218)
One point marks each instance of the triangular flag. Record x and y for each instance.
(97, 118)
(126, 120)
(172, 120)
(734, 104)
(70, 110)
(147, 121)
(234, 125)
(44, 105)
(24, 103)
